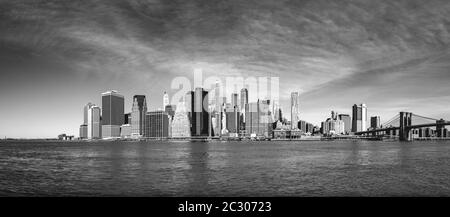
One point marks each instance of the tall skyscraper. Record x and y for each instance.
(244, 97)
(375, 122)
(112, 114)
(180, 124)
(166, 101)
(359, 119)
(189, 102)
(217, 97)
(83, 127)
(232, 119)
(347, 122)
(138, 112)
(85, 112)
(200, 116)
(234, 100)
(294, 110)
(93, 123)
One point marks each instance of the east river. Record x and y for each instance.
(276, 168)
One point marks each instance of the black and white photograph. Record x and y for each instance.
(233, 100)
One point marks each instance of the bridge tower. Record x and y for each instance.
(405, 124)
(440, 126)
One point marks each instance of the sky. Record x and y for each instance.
(58, 55)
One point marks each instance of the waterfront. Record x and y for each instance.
(171, 168)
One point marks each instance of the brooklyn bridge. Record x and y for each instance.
(406, 124)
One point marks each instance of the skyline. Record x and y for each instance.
(58, 56)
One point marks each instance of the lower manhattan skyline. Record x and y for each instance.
(56, 56)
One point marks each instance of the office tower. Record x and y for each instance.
(375, 122)
(258, 122)
(232, 119)
(359, 119)
(333, 125)
(294, 110)
(166, 101)
(157, 124)
(244, 97)
(189, 102)
(112, 114)
(83, 130)
(347, 122)
(180, 124)
(217, 99)
(441, 131)
(234, 100)
(138, 112)
(302, 125)
(244, 101)
(200, 116)
(85, 112)
(93, 123)
(251, 119)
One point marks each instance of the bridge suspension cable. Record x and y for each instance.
(420, 116)
(392, 120)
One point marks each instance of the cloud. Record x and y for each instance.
(336, 52)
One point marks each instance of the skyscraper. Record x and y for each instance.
(189, 102)
(347, 122)
(157, 124)
(85, 112)
(359, 119)
(375, 122)
(180, 124)
(93, 123)
(217, 97)
(234, 100)
(166, 101)
(138, 111)
(112, 114)
(232, 119)
(244, 97)
(83, 127)
(258, 121)
(200, 116)
(294, 110)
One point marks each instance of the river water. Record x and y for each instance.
(168, 168)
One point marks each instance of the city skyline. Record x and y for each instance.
(391, 55)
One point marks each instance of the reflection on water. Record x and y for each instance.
(160, 168)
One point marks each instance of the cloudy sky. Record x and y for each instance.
(57, 55)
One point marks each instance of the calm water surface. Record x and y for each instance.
(162, 168)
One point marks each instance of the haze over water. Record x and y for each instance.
(162, 168)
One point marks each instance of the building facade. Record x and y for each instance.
(181, 128)
(347, 122)
(258, 121)
(200, 115)
(83, 130)
(94, 130)
(138, 112)
(157, 124)
(294, 110)
(375, 122)
(113, 106)
(359, 118)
